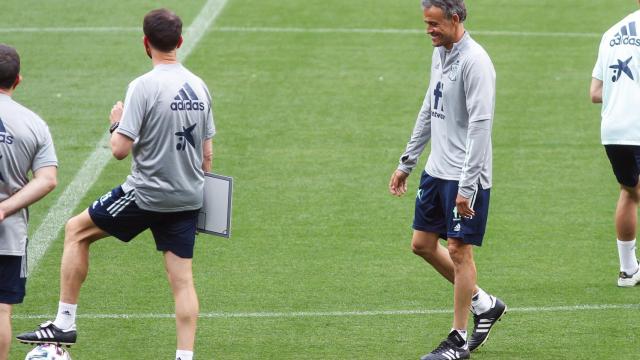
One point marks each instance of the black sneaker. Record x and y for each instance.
(483, 323)
(47, 333)
(453, 347)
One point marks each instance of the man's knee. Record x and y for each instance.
(423, 246)
(460, 252)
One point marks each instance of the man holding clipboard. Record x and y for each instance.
(166, 123)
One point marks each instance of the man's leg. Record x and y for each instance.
(80, 232)
(627, 212)
(626, 223)
(464, 283)
(5, 331)
(427, 246)
(180, 275)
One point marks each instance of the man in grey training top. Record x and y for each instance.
(166, 122)
(25, 146)
(453, 197)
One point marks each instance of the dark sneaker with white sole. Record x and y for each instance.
(47, 333)
(483, 323)
(453, 347)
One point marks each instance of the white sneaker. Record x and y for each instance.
(625, 280)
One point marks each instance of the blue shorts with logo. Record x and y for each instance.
(13, 279)
(117, 214)
(436, 211)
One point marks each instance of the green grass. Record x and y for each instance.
(310, 125)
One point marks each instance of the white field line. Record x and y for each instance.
(299, 30)
(95, 163)
(311, 314)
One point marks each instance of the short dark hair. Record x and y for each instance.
(163, 28)
(449, 7)
(9, 66)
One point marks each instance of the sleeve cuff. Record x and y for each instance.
(405, 169)
(466, 191)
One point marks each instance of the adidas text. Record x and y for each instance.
(187, 105)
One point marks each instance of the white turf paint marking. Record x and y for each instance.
(303, 314)
(95, 163)
(299, 30)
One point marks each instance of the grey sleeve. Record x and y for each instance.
(478, 141)
(134, 110)
(479, 79)
(46, 153)
(598, 71)
(210, 127)
(419, 138)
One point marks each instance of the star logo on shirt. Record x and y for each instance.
(622, 67)
(185, 136)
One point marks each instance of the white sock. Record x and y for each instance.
(184, 355)
(66, 317)
(627, 254)
(463, 333)
(480, 302)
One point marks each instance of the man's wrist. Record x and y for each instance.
(113, 127)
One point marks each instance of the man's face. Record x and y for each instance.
(441, 29)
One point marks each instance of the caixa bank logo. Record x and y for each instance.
(186, 100)
(626, 36)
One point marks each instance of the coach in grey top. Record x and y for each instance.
(166, 123)
(25, 146)
(453, 197)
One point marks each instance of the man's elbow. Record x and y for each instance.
(119, 154)
(50, 183)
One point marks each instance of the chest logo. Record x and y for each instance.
(453, 72)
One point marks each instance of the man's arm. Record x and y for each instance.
(480, 88)
(43, 182)
(596, 91)
(207, 155)
(409, 159)
(120, 144)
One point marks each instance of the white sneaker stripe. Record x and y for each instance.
(482, 330)
(486, 320)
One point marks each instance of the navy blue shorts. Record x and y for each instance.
(436, 211)
(117, 214)
(625, 161)
(13, 279)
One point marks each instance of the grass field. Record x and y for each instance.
(310, 125)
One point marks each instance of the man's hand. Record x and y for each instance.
(116, 113)
(462, 205)
(398, 183)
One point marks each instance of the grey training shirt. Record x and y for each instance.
(168, 113)
(457, 114)
(25, 145)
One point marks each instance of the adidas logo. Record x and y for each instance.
(5, 138)
(626, 36)
(187, 100)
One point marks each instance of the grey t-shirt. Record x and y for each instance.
(25, 145)
(168, 113)
(457, 114)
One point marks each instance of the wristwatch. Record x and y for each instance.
(113, 127)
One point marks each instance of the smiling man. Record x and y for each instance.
(453, 197)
